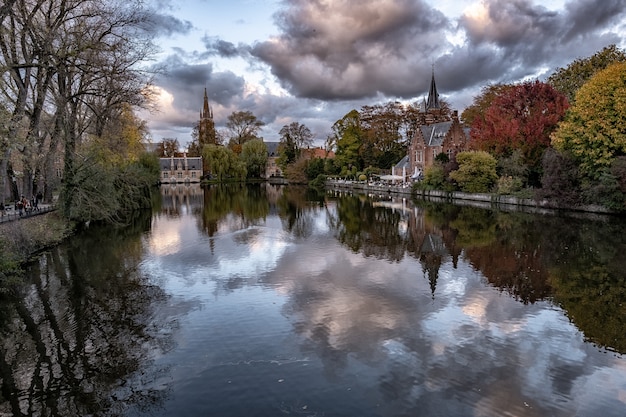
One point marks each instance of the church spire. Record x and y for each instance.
(433, 96)
(207, 113)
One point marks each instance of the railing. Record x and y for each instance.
(11, 213)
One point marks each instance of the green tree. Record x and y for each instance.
(223, 163)
(293, 138)
(348, 138)
(594, 130)
(254, 156)
(568, 80)
(476, 173)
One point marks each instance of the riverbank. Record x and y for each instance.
(486, 201)
(21, 239)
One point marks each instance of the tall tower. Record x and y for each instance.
(433, 96)
(206, 126)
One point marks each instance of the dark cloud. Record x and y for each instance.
(224, 49)
(166, 25)
(339, 51)
(332, 57)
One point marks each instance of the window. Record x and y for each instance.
(449, 152)
(166, 175)
(180, 174)
(193, 174)
(418, 156)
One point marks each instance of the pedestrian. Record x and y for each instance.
(38, 198)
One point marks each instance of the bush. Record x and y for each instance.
(476, 173)
(507, 185)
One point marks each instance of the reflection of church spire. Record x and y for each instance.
(433, 96)
(431, 262)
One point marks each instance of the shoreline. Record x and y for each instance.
(485, 201)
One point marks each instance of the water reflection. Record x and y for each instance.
(79, 338)
(268, 300)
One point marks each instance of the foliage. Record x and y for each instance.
(507, 185)
(482, 102)
(315, 167)
(604, 190)
(223, 163)
(520, 117)
(318, 182)
(243, 126)
(293, 138)
(296, 171)
(561, 180)
(434, 178)
(168, 147)
(594, 130)
(254, 156)
(569, 80)
(476, 173)
(348, 138)
(513, 165)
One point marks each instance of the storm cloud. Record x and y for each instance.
(325, 57)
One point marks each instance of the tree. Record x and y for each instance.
(568, 80)
(242, 127)
(476, 173)
(71, 67)
(293, 138)
(254, 156)
(594, 130)
(223, 163)
(482, 102)
(521, 117)
(383, 125)
(348, 136)
(168, 147)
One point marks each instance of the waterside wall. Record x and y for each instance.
(488, 201)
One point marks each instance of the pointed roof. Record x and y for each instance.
(206, 110)
(433, 96)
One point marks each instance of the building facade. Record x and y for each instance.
(180, 170)
(437, 133)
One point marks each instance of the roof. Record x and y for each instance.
(403, 163)
(435, 133)
(194, 162)
(433, 95)
(272, 148)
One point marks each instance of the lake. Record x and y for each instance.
(265, 300)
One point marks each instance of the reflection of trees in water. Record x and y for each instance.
(297, 208)
(236, 206)
(369, 229)
(587, 271)
(77, 339)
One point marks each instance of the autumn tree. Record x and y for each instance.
(482, 102)
(383, 144)
(293, 138)
(568, 80)
(594, 130)
(242, 126)
(70, 66)
(520, 117)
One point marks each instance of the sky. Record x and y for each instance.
(313, 61)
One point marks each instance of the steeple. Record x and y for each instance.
(433, 96)
(207, 113)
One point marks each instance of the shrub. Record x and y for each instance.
(476, 173)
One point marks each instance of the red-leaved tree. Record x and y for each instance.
(520, 117)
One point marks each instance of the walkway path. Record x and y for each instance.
(12, 214)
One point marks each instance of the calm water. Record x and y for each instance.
(264, 301)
